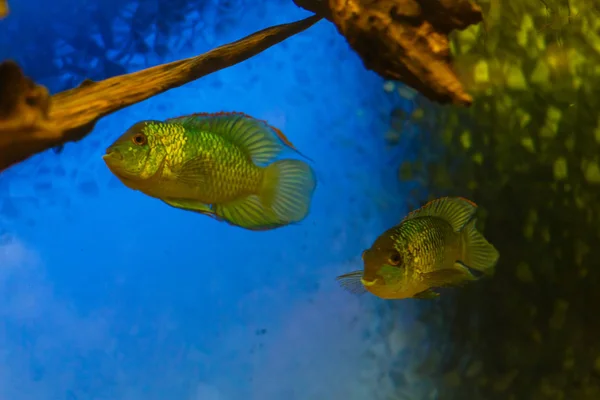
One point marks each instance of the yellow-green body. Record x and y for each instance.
(216, 164)
(434, 246)
(230, 176)
(425, 245)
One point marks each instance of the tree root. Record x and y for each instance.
(31, 121)
(405, 40)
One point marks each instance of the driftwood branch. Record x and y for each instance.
(31, 121)
(319, 7)
(3, 8)
(404, 40)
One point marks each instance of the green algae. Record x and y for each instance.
(528, 152)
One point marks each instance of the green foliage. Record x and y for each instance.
(528, 152)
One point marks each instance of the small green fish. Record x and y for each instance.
(432, 247)
(221, 165)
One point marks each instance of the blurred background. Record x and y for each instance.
(108, 294)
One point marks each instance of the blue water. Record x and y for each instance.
(109, 294)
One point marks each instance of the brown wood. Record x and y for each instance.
(404, 40)
(4, 8)
(31, 121)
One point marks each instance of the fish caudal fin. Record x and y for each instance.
(288, 186)
(284, 198)
(478, 254)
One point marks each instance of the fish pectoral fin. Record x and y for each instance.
(426, 295)
(193, 171)
(449, 277)
(191, 205)
(352, 282)
(457, 211)
(472, 274)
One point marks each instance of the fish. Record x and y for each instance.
(435, 246)
(223, 165)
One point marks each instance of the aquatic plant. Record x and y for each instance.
(527, 152)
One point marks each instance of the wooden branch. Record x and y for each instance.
(4, 8)
(31, 121)
(405, 40)
(319, 7)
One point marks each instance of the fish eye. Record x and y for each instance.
(139, 139)
(394, 258)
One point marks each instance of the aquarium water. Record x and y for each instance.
(107, 294)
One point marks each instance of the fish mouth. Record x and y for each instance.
(112, 155)
(368, 283)
(114, 161)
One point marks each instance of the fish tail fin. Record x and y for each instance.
(287, 189)
(283, 198)
(478, 253)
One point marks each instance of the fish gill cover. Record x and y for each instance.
(108, 294)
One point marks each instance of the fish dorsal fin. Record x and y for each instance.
(260, 141)
(457, 211)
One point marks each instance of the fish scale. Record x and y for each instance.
(232, 175)
(423, 242)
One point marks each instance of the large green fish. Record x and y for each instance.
(435, 246)
(222, 165)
